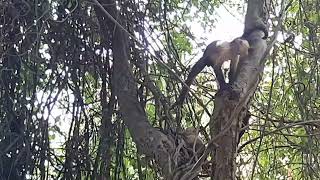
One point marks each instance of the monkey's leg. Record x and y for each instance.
(233, 69)
(219, 76)
(223, 85)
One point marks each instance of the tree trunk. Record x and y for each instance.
(228, 113)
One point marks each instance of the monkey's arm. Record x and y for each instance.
(195, 70)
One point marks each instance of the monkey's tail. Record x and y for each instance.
(195, 70)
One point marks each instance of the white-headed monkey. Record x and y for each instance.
(214, 55)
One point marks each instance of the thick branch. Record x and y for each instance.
(149, 140)
(256, 18)
(228, 113)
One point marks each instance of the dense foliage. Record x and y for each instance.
(59, 117)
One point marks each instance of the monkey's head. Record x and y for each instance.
(240, 46)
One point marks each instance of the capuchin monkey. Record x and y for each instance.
(214, 55)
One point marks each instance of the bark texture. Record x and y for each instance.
(229, 112)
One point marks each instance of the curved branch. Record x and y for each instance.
(149, 140)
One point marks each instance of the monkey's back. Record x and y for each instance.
(217, 52)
